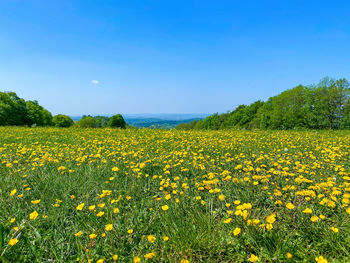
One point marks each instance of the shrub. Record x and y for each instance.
(61, 120)
(117, 121)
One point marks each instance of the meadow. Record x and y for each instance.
(112, 195)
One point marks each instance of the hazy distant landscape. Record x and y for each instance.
(159, 121)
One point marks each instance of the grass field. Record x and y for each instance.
(103, 195)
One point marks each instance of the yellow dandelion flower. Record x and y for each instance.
(253, 258)
(109, 227)
(35, 202)
(13, 192)
(290, 206)
(13, 241)
(237, 231)
(80, 206)
(92, 236)
(33, 215)
(320, 259)
(314, 218)
(307, 211)
(78, 234)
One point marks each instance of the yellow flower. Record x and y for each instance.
(130, 231)
(165, 207)
(13, 241)
(307, 211)
(271, 218)
(184, 261)
(165, 238)
(115, 169)
(78, 234)
(100, 261)
(253, 258)
(80, 207)
(314, 218)
(228, 220)
(150, 255)
(12, 220)
(142, 165)
(33, 215)
(334, 229)
(237, 231)
(269, 226)
(13, 192)
(99, 214)
(290, 206)
(109, 227)
(116, 210)
(151, 238)
(137, 259)
(221, 197)
(115, 257)
(92, 236)
(289, 255)
(92, 207)
(320, 259)
(35, 202)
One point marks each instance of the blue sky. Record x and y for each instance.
(167, 56)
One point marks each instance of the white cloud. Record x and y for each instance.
(95, 81)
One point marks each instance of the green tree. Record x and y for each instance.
(102, 121)
(87, 122)
(117, 121)
(61, 120)
(12, 109)
(37, 115)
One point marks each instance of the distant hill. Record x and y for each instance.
(156, 123)
(159, 121)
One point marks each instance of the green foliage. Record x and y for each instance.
(61, 120)
(12, 109)
(17, 111)
(87, 122)
(117, 121)
(322, 106)
(101, 121)
(37, 115)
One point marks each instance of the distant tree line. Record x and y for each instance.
(322, 106)
(16, 111)
(101, 121)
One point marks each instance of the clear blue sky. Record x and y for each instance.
(168, 56)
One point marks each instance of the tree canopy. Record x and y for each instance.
(16, 111)
(117, 121)
(61, 120)
(322, 106)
